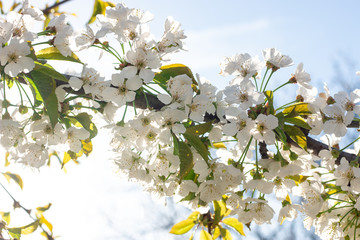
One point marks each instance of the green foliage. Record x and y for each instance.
(85, 121)
(186, 159)
(200, 147)
(52, 53)
(296, 135)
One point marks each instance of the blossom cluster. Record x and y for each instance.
(202, 144)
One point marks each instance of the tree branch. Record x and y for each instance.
(48, 9)
(312, 144)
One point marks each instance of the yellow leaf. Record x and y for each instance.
(219, 145)
(87, 146)
(30, 227)
(234, 223)
(15, 177)
(5, 216)
(216, 233)
(204, 235)
(7, 163)
(288, 198)
(66, 158)
(194, 215)
(46, 222)
(296, 135)
(182, 227)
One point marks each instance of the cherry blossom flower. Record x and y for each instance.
(275, 60)
(14, 58)
(337, 125)
(244, 94)
(263, 130)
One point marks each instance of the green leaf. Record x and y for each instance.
(296, 135)
(5, 216)
(186, 159)
(176, 144)
(298, 121)
(14, 177)
(204, 235)
(296, 110)
(52, 53)
(172, 70)
(44, 88)
(198, 145)
(182, 227)
(42, 84)
(51, 106)
(85, 121)
(234, 223)
(200, 129)
(280, 133)
(50, 71)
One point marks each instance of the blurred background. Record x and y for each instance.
(91, 201)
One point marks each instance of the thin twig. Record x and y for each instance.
(48, 9)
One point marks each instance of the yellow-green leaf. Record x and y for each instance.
(52, 53)
(204, 235)
(44, 208)
(85, 121)
(182, 227)
(173, 70)
(5, 216)
(16, 232)
(15, 177)
(298, 121)
(99, 8)
(50, 71)
(194, 215)
(296, 135)
(225, 234)
(220, 210)
(234, 223)
(30, 227)
(186, 159)
(296, 110)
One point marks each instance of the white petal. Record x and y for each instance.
(75, 83)
(164, 98)
(134, 83)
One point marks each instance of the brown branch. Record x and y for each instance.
(48, 9)
(140, 102)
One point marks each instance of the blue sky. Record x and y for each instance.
(92, 202)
